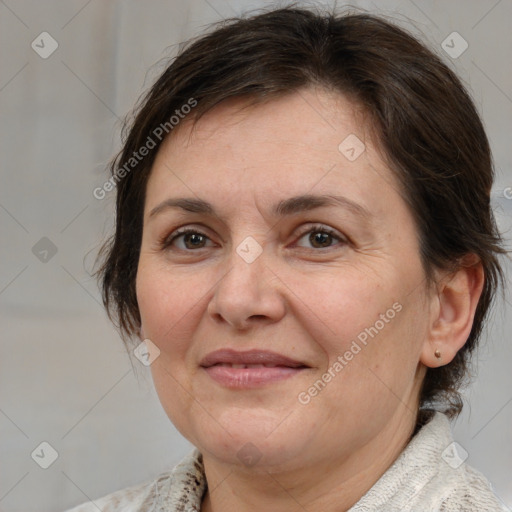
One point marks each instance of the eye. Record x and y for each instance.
(321, 237)
(192, 239)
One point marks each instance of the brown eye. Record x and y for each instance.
(192, 239)
(321, 237)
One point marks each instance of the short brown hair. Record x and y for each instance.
(425, 121)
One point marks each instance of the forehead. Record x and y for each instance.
(309, 116)
(310, 141)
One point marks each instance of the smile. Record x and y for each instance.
(249, 369)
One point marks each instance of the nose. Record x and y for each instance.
(248, 294)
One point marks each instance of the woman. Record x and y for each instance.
(305, 247)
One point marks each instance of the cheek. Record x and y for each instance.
(167, 307)
(370, 330)
(343, 305)
(166, 300)
(370, 372)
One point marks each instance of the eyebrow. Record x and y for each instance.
(285, 207)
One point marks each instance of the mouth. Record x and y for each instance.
(250, 369)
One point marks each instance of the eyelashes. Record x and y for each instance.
(167, 242)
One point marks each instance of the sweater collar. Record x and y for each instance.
(418, 463)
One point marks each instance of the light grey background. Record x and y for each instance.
(65, 376)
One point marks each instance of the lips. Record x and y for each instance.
(249, 359)
(249, 369)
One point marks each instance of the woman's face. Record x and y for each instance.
(332, 297)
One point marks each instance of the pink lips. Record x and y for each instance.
(249, 369)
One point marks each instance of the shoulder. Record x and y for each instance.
(130, 499)
(170, 491)
(465, 488)
(431, 475)
(454, 485)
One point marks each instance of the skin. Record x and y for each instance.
(299, 298)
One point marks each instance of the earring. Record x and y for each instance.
(437, 353)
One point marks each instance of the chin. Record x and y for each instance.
(255, 438)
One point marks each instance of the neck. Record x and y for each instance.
(331, 486)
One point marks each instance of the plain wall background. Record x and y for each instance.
(65, 376)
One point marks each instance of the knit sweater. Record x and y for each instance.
(429, 475)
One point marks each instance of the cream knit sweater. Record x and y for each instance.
(428, 476)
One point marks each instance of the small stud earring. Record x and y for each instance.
(437, 353)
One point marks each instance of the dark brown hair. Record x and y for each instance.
(424, 120)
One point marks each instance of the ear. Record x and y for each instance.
(452, 312)
(141, 333)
